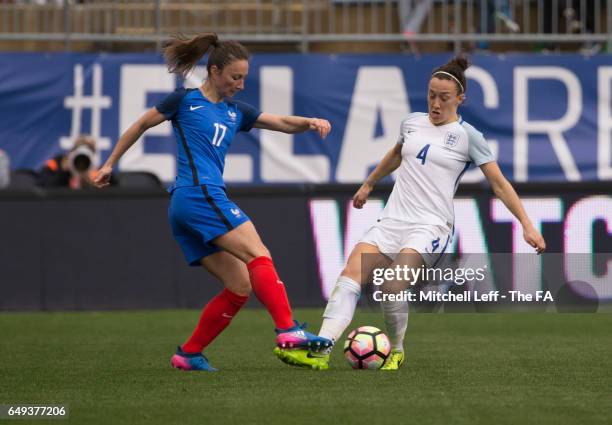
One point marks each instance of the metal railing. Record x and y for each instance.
(311, 21)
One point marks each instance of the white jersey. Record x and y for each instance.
(433, 160)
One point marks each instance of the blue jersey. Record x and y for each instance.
(204, 131)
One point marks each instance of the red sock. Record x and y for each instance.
(215, 317)
(270, 291)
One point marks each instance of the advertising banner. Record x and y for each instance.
(546, 118)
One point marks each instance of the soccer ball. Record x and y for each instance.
(367, 347)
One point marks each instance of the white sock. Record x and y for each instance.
(396, 322)
(340, 308)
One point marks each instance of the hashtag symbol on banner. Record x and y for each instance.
(96, 102)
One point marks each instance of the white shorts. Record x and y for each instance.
(391, 236)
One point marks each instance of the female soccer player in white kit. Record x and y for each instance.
(433, 152)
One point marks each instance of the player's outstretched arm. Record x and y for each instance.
(504, 191)
(149, 119)
(389, 164)
(292, 124)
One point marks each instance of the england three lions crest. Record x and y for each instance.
(451, 140)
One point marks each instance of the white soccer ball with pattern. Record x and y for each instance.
(367, 347)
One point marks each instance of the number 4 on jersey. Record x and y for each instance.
(422, 155)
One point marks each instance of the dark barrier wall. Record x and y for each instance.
(66, 251)
(113, 249)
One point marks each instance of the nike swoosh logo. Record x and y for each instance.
(227, 316)
(193, 108)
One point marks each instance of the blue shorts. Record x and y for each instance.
(199, 214)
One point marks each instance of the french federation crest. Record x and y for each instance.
(232, 115)
(451, 139)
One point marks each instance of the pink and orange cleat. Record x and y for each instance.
(191, 361)
(298, 337)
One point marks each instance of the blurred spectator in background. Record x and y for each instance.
(412, 15)
(579, 17)
(492, 11)
(5, 170)
(74, 169)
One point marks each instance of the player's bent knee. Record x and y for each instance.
(257, 252)
(263, 252)
(352, 273)
(238, 283)
(243, 289)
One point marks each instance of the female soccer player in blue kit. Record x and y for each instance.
(212, 230)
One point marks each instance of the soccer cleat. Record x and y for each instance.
(302, 357)
(395, 360)
(190, 361)
(297, 337)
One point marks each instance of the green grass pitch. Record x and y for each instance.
(113, 368)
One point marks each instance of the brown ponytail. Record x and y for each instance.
(456, 67)
(182, 54)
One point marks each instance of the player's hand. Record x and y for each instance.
(361, 197)
(534, 238)
(321, 126)
(103, 176)
(85, 179)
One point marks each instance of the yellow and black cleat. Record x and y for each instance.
(395, 360)
(303, 358)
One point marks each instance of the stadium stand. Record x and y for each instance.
(307, 25)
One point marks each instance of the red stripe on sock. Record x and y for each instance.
(215, 317)
(270, 291)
